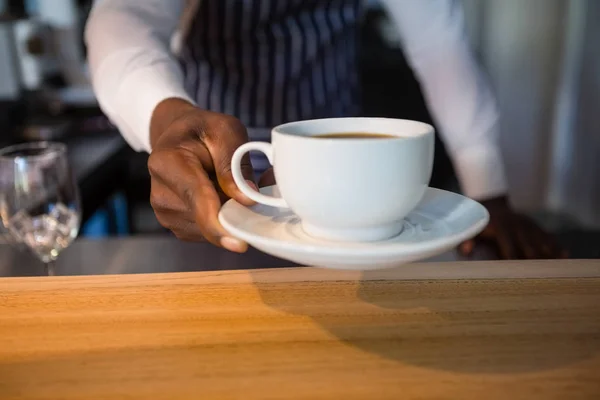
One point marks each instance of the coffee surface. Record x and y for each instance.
(355, 135)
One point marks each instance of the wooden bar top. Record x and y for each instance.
(475, 330)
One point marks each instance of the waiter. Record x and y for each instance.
(190, 81)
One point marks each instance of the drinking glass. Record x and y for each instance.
(39, 199)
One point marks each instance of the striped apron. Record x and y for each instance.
(268, 62)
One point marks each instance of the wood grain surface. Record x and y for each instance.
(492, 330)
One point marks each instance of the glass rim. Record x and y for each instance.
(49, 150)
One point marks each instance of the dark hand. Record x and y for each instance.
(514, 235)
(267, 179)
(190, 169)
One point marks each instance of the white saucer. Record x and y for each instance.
(439, 223)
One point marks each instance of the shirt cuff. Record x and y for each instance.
(480, 171)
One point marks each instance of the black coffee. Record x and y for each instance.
(355, 135)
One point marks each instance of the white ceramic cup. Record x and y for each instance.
(346, 189)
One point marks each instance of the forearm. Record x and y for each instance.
(457, 92)
(131, 64)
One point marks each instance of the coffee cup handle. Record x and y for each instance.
(240, 180)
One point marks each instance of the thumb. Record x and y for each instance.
(221, 145)
(228, 185)
(466, 248)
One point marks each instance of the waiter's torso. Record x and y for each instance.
(272, 61)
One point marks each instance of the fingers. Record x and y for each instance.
(515, 236)
(186, 201)
(204, 201)
(222, 139)
(527, 245)
(163, 199)
(181, 227)
(267, 178)
(520, 238)
(173, 214)
(466, 248)
(506, 247)
(551, 247)
(546, 244)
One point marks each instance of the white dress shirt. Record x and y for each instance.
(131, 55)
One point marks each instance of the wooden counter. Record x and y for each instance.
(479, 330)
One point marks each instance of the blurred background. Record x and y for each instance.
(541, 55)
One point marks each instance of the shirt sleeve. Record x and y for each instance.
(131, 65)
(456, 90)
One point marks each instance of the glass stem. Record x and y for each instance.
(50, 268)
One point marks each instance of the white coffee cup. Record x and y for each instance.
(346, 189)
